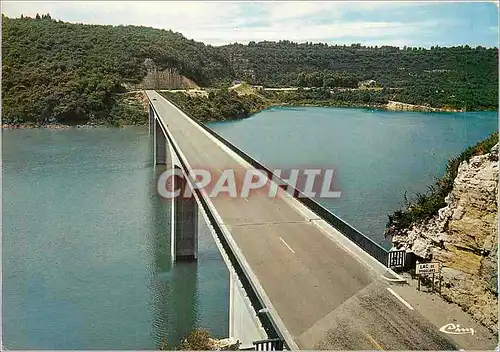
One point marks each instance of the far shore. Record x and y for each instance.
(391, 106)
(54, 126)
(32, 125)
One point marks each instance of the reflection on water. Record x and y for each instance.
(173, 286)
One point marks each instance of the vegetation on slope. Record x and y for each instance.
(68, 72)
(218, 105)
(426, 205)
(200, 340)
(327, 97)
(128, 109)
(242, 101)
(453, 77)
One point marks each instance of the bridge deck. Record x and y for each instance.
(325, 296)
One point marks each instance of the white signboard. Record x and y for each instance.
(428, 268)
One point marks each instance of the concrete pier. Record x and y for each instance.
(151, 119)
(160, 144)
(184, 236)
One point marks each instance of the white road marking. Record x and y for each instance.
(374, 342)
(399, 297)
(286, 244)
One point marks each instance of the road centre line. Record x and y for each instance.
(286, 244)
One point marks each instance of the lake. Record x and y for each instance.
(86, 256)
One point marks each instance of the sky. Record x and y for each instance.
(369, 23)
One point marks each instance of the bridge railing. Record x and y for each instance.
(366, 243)
(268, 345)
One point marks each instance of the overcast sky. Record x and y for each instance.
(216, 23)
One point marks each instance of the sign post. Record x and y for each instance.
(426, 269)
(440, 279)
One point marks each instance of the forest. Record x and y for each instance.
(454, 77)
(53, 71)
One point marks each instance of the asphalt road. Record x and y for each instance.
(326, 298)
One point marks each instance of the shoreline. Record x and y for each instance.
(391, 106)
(15, 126)
(382, 107)
(21, 126)
(400, 106)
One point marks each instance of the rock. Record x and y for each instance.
(228, 344)
(464, 238)
(422, 248)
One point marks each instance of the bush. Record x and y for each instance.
(427, 205)
(197, 340)
(220, 105)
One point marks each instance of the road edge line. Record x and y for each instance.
(400, 298)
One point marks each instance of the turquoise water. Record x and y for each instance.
(377, 155)
(86, 256)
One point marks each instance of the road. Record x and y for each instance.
(326, 297)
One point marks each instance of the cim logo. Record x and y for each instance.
(456, 329)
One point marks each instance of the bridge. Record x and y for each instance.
(299, 275)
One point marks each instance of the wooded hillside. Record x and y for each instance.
(456, 76)
(69, 73)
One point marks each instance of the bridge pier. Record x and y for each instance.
(184, 233)
(151, 119)
(160, 144)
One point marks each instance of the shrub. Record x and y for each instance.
(197, 340)
(427, 205)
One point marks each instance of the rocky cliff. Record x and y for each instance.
(162, 79)
(399, 106)
(464, 238)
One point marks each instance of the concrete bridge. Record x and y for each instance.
(298, 273)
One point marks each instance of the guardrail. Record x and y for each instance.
(257, 304)
(268, 345)
(366, 243)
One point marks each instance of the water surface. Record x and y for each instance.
(86, 251)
